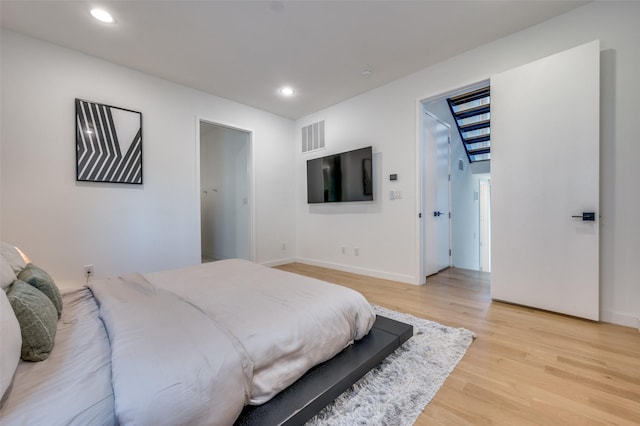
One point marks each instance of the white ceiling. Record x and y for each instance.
(246, 50)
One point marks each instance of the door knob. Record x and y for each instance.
(587, 216)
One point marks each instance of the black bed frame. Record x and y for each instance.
(325, 382)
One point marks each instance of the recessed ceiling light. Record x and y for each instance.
(102, 15)
(367, 72)
(287, 91)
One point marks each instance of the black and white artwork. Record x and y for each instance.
(108, 143)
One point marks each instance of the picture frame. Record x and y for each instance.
(108, 143)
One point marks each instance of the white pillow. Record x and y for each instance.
(13, 256)
(11, 343)
(7, 276)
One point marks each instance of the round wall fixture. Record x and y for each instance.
(366, 72)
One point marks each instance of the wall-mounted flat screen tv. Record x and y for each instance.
(347, 176)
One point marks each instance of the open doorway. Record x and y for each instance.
(225, 214)
(470, 240)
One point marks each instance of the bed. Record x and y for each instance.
(186, 346)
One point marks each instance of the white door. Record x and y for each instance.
(544, 171)
(436, 195)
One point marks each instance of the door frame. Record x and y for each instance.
(419, 206)
(250, 180)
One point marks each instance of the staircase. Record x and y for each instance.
(472, 112)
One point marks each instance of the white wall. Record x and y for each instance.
(63, 224)
(376, 229)
(465, 215)
(386, 118)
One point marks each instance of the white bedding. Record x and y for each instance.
(171, 364)
(285, 322)
(73, 385)
(186, 346)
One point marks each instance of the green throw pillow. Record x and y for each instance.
(38, 278)
(37, 318)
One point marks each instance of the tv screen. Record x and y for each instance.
(341, 177)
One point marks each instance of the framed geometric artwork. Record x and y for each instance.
(108, 143)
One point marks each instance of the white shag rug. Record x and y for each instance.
(397, 390)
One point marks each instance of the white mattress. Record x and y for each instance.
(73, 385)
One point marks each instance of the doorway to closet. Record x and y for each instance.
(225, 193)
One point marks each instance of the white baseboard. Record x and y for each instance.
(620, 319)
(361, 271)
(279, 262)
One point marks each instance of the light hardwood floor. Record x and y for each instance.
(526, 366)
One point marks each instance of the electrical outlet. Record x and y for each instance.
(356, 251)
(284, 246)
(88, 269)
(344, 250)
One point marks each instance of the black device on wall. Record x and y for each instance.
(347, 176)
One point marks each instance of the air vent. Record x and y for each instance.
(313, 137)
